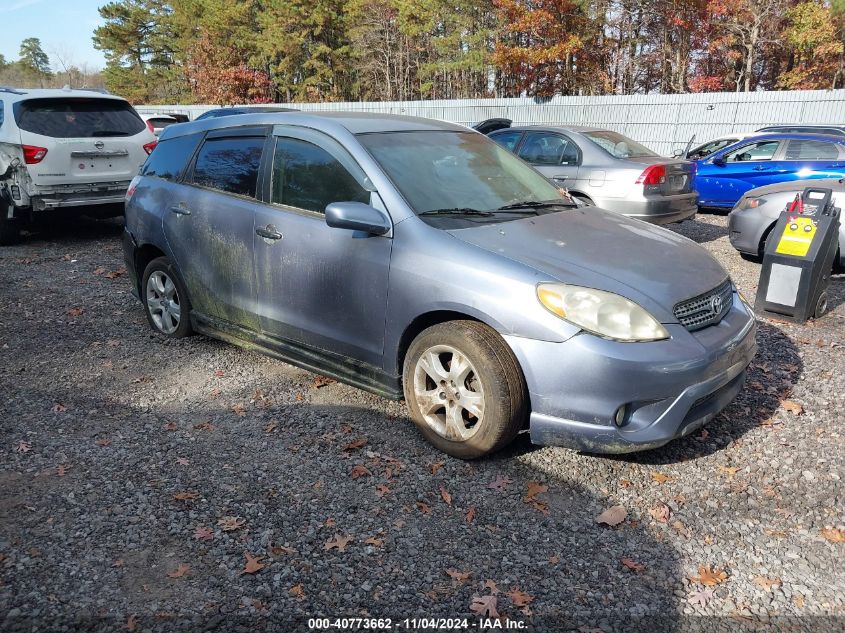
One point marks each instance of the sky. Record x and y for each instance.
(63, 26)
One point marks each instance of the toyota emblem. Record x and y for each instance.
(716, 304)
(99, 145)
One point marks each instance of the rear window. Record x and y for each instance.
(229, 164)
(170, 157)
(161, 122)
(811, 150)
(78, 118)
(617, 145)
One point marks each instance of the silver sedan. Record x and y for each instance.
(756, 213)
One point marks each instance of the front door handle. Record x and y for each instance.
(761, 168)
(559, 178)
(180, 209)
(269, 232)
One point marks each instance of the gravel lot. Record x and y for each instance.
(137, 474)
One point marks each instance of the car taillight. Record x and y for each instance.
(132, 187)
(653, 175)
(149, 147)
(150, 126)
(33, 155)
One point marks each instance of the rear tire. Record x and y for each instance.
(165, 299)
(464, 389)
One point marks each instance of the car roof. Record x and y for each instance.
(830, 126)
(354, 122)
(556, 128)
(22, 94)
(779, 136)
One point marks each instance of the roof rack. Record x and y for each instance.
(12, 90)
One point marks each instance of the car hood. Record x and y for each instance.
(587, 246)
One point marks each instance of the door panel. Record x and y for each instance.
(316, 285)
(744, 168)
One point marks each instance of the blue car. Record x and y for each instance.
(724, 176)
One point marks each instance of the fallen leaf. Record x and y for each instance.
(660, 478)
(833, 535)
(58, 408)
(272, 426)
(701, 437)
(436, 467)
(423, 507)
(554, 559)
(131, 623)
(182, 461)
(339, 543)
(239, 410)
(633, 565)
(180, 571)
(775, 533)
(330, 522)
(700, 597)
(117, 563)
(469, 517)
(612, 516)
(253, 564)
(375, 542)
(661, 512)
(322, 381)
(356, 444)
(792, 407)
(186, 495)
(204, 426)
(730, 471)
(170, 426)
(534, 488)
(458, 576)
(74, 312)
(382, 490)
(500, 483)
(99, 270)
(23, 447)
(61, 469)
(231, 523)
(519, 598)
(278, 550)
(219, 373)
(359, 470)
(202, 533)
(103, 442)
(484, 606)
(447, 498)
(489, 584)
(116, 273)
(798, 601)
(709, 577)
(766, 583)
(297, 592)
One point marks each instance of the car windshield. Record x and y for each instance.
(617, 145)
(78, 117)
(461, 173)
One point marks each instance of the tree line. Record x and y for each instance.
(34, 68)
(258, 51)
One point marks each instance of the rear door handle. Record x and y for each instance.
(180, 209)
(559, 178)
(269, 232)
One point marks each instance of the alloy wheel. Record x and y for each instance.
(163, 302)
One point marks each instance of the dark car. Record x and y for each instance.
(834, 130)
(419, 260)
(218, 112)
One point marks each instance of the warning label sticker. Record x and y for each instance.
(797, 237)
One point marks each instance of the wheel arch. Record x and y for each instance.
(144, 254)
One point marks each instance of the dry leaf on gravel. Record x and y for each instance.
(278, 550)
(103, 442)
(382, 490)
(23, 447)
(554, 559)
(202, 533)
(375, 542)
(58, 408)
(766, 583)
(661, 512)
(271, 426)
(339, 542)
(491, 585)
(186, 495)
(180, 571)
(660, 478)
(459, 577)
(297, 592)
(182, 461)
(709, 577)
(484, 606)
(239, 410)
(74, 312)
(230, 523)
(833, 535)
(500, 483)
(519, 598)
(469, 517)
(534, 488)
(253, 564)
(633, 565)
(423, 507)
(359, 470)
(700, 597)
(444, 494)
(792, 406)
(170, 426)
(356, 444)
(61, 469)
(612, 516)
(131, 623)
(436, 467)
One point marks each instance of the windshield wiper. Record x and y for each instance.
(531, 207)
(457, 211)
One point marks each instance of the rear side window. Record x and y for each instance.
(229, 164)
(508, 140)
(308, 177)
(548, 149)
(78, 117)
(811, 150)
(170, 157)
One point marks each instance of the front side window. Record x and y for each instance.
(229, 164)
(764, 150)
(617, 145)
(78, 117)
(712, 146)
(170, 157)
(548, 149)
(308, 177)
(455, 170)
(811, 150)
(508, 140)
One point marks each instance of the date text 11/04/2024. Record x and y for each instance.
(379, 624)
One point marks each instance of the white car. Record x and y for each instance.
(66, 149)
(157, 122)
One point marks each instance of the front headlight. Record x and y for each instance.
(602, 313)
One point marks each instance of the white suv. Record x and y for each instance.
(66, 149)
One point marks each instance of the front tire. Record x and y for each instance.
(165, 299)
(464, 389)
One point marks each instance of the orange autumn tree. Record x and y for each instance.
(544, 48)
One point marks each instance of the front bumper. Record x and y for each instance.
(662, 210)
(668, 388)
(746, 228)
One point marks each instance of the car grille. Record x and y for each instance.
(705, 309)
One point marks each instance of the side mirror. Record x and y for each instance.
(719, 161)
(677, 153)
(357, 216)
